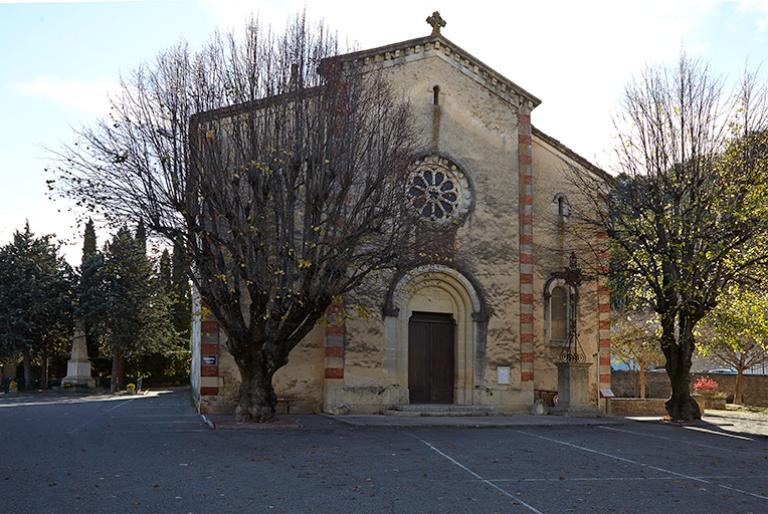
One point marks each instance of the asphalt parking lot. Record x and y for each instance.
(153, 454)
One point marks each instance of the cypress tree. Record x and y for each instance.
(90, 291)
(182, 297)
(89, 241)
(165, 279)
(36, 300)
(141, 237)
(137, 322)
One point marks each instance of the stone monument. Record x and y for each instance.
(573, 391)
(78, 366)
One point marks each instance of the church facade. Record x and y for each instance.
(484, 327)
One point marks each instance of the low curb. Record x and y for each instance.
(208, 422)
(469, 422)
(228, 423)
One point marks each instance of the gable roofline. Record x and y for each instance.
(229, 111)
(493, 79)
(581, 161)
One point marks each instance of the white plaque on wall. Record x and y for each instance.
(503, 374)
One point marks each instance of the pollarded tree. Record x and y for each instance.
(688, 215)
(279, 167)
(736, 333)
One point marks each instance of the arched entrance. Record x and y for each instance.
(435, 327)
(431, 351)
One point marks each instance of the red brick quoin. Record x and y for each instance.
(525, 214)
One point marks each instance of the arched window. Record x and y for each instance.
(562, 207)
(557, 305)
(558, 308)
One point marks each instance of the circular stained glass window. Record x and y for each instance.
(438, 190)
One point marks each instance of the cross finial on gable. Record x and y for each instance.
(437, 23)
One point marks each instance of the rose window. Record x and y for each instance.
(438, 190)
(434, 194)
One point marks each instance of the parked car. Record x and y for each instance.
(721, 371)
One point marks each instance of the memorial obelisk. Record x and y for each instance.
(78, 366)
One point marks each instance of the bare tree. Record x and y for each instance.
(687, 215)
(279, 166)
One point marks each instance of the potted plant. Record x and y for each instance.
(704, 391)
(719, 400)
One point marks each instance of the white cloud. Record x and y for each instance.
(89, 97)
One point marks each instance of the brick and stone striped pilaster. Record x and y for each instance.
(334, 343)
(604, 332)
(334, 358)
(525, 162)
(209, 356)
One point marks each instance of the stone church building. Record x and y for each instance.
(484, 330)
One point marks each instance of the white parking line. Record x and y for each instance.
(617, 479)
(78, 428)
(708, 431)
(481, 479)
(664, 438)
(630, 461)
(584, 479)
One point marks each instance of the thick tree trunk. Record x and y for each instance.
(681, 406)
(641, 381)
(738, 396)
(257, 361)
(118, 372)
(257, 400)
(258, 358)
(27, 369)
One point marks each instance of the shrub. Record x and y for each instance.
(705, 385)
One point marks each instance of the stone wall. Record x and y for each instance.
(624, 384)
(636, 407)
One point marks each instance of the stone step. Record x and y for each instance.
(415, 410)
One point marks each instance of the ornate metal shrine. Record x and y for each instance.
(573, 278)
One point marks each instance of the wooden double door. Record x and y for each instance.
(431, 368)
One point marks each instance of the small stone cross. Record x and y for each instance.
(437, 23)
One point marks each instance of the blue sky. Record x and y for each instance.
(59, 60)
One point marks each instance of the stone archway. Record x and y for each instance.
(438, 289)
